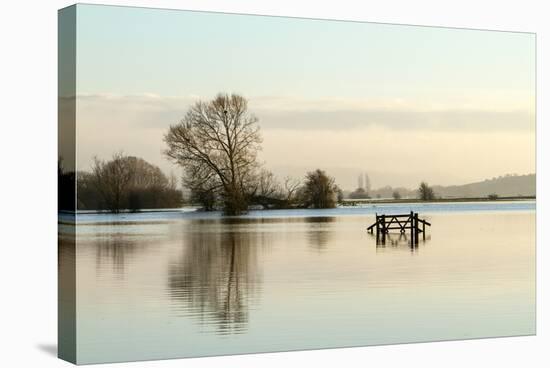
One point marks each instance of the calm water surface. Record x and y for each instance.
(181, 284)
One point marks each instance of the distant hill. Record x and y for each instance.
(503, 186)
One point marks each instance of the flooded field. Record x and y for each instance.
(185, 283)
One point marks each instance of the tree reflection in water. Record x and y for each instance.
(319, 231)
(115, 249)
(216, 279)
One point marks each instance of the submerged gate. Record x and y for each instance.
(404, 223)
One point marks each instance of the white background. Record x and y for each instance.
(28, 153)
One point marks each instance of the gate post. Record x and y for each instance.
(411, 220)
(416, 228)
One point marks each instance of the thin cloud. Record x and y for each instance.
(151, 110)
(454, 145)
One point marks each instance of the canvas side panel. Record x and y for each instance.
(66, 334)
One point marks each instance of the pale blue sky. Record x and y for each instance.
(341, 91)
(169, 52)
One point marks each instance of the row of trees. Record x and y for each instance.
(217, 144)
(317, 190)
(424, 192)
(126, 182)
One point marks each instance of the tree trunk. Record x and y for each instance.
(235, 203)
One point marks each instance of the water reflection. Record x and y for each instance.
(116, 250)
(399, 241)
(66, 266)
(216, 278)
(207, 287)
(319, 231)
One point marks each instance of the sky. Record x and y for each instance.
(402, 103)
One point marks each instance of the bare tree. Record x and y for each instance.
(291, 186)
(425, 192)
(112, 179)
(126, 182)
(266, 188)
(320, 190)
(145, 175)
(204, 187)
(339, 194)
(217, 142)
(205, 197)
(172, 181)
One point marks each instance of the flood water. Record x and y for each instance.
(184, 284)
